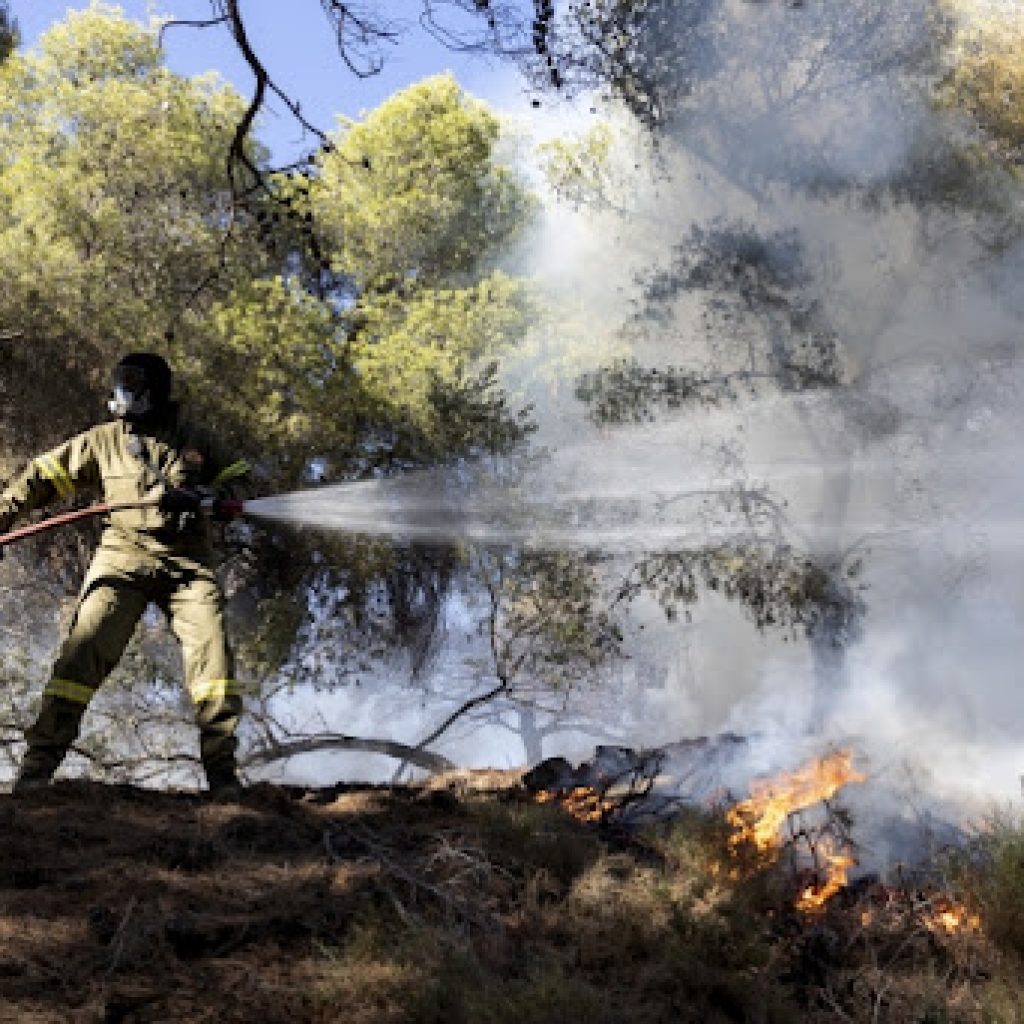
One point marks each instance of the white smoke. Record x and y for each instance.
(913, 463)
(817, 125)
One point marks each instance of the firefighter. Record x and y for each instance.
(158, 554)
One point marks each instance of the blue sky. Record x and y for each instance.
(296, 44)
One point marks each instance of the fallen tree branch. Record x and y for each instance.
(336, 741)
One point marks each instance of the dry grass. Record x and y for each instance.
(464, 905)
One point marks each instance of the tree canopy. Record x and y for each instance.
(117, 231)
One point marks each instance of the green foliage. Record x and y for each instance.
(412, 206)
(411, 195)
(986, 79)
(271, 373)
(775, 584)
(411, 355)
(549, 620)
(990, 874)
(580, 171)
(111, 205)
(757, 295)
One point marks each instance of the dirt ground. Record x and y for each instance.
(119, 904)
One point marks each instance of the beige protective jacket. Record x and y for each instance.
(126, 462)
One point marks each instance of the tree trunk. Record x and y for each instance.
(533, 740)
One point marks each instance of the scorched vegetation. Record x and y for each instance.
(465, 899)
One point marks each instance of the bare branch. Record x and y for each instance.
(473, 702)
(296, 111)
(185, 23)
(504, 33)
(356, 34)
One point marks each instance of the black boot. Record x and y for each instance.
(35, 773)
(222, 781)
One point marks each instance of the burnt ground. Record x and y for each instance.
(463, 900)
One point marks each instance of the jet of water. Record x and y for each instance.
(438, 507)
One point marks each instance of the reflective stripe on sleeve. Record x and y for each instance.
(236, 469)
(56, 474)
(79, 693)
(215, 689)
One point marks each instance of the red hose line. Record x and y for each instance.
(67, 518)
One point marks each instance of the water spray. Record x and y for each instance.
(433, 508)
(625, 516)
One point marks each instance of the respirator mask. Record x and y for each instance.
(131, 392)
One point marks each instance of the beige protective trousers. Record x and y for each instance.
(120, 583)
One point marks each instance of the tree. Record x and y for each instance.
(745, 96)
(114, 205)
(414, 210)
(762, 329)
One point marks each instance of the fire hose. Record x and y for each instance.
(214, 507)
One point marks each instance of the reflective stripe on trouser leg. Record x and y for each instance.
(109, 607)
(197, 619)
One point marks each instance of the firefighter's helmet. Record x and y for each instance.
(140, 386)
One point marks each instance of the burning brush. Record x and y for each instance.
(777, 801)
(608, 789)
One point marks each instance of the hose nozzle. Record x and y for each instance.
(226, 509)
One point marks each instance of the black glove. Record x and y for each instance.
(6, 522)
(181, 506)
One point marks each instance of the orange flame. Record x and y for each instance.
(582, 802)
(836, 865)
(952, 919)
(758, 819)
